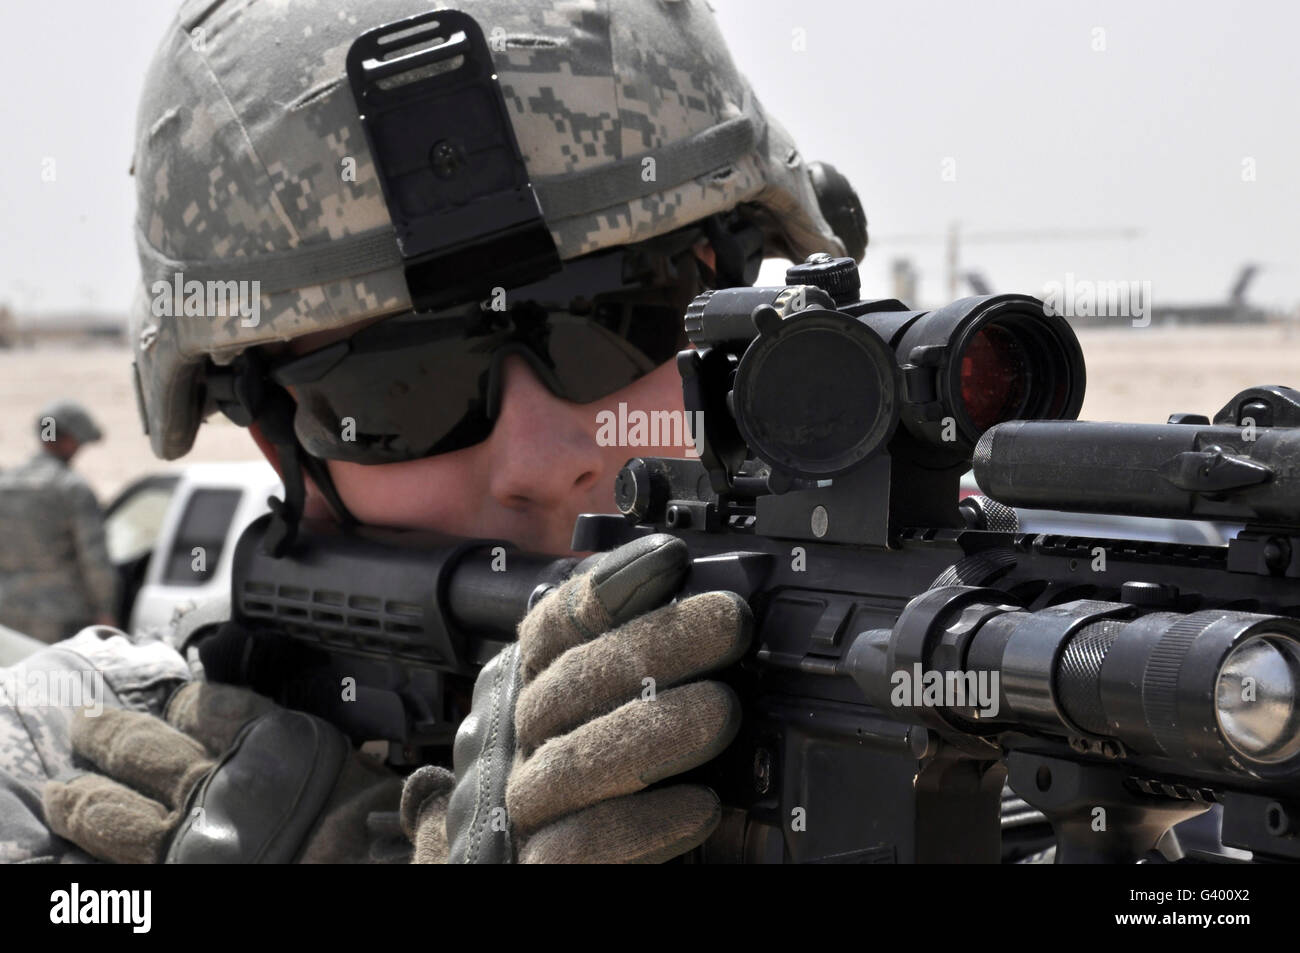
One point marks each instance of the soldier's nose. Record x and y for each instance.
(543, 449)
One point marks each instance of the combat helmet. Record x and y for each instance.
(251, 162)
(70, 418)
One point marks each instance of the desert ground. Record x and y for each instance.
(1134, 374)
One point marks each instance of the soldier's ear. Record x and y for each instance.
(708, 259)
(705, 253)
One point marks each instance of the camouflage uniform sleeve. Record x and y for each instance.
(99, 666)
(92, 551)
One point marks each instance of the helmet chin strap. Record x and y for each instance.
(275, 421)
(247, 396)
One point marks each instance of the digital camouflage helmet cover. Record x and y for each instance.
(251, 165)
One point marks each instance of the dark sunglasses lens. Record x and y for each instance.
(386, 406)
(415, 386)
(590, 361)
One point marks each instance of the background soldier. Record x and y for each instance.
(251, 160)
(55, 574)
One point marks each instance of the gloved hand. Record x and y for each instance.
(228, 776)
(572, 721)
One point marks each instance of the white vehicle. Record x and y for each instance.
(211, 505)
(171, 537)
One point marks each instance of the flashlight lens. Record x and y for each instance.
(1256, 698)
(994, 372)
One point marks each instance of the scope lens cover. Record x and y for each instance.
(817, 394)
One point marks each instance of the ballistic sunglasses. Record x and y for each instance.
(417, 385)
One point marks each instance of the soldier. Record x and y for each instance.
(659, 176)
(55, 574)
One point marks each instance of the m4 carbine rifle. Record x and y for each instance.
(913, 652)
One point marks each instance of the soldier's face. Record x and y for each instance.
(64, 447)
(543, 464)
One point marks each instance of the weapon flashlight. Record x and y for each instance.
(1217, 687)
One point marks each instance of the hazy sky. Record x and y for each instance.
(1151, 131)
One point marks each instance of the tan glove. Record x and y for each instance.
(569, 724)
(228, 776)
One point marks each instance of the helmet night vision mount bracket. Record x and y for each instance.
(466, 217)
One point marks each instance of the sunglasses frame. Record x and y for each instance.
(550, 299)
